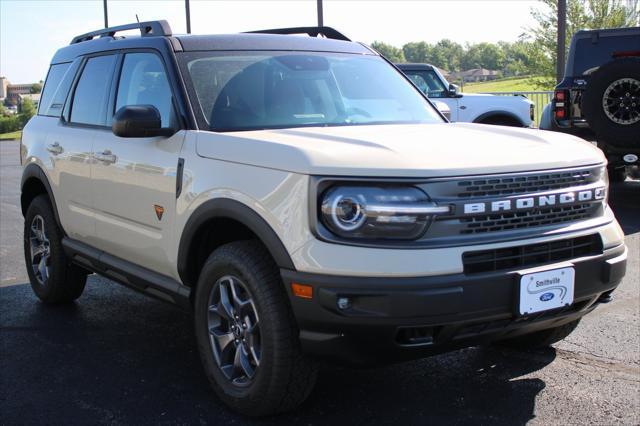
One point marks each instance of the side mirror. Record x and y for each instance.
(454, 90)
(139, 121)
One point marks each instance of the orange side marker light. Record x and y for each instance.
(302, 290)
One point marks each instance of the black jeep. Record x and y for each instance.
(599, 97)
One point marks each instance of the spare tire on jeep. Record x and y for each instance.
(611, 102)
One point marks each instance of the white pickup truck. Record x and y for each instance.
(517, 111)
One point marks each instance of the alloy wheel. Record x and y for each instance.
(621, 101)
(234, 330)
(40, 250)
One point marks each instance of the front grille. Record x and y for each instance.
(513, 185)
(531, 255)
(527, 219)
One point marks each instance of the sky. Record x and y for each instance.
(31, 31)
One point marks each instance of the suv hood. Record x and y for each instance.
(416, 150)
(498, 100)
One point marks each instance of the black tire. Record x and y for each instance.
(61, 282)
(542, 338)
(502, 121)
(284, 377)
(608, 77)
(617, 174)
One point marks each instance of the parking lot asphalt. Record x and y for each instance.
(117, 357)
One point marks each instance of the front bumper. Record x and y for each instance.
(395, 319)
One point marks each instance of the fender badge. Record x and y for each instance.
(159, 211)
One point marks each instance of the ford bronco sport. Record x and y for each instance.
(599, 96)
(517, 111)
(305, 201)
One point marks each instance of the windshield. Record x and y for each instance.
(428, 82)
(262, 90)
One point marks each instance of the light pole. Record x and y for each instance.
(562, 36)
(188, 13)
(106, 16)
(320, 17)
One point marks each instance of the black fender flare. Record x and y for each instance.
(490, 114)
(231, 209)
(34, 171)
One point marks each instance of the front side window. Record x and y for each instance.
(428, 82)
(92, 92)
(143, 81)
(262, 90)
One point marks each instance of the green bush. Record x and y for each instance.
(10, 124)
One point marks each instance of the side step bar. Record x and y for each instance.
(124, 272)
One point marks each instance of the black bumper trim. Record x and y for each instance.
(448, 311)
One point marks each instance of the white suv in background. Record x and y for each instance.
(517, 111)
(304, 200)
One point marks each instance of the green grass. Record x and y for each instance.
(11, 135)
(521, 84)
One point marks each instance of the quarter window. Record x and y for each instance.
(143, 81)
(92, 92)
(55, 88)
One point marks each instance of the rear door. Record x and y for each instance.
(70, 141)
(134, 179)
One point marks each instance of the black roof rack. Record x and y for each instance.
(328, 32)
(149, 28)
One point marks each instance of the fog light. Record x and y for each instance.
(344, 303)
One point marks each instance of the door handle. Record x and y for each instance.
(106, 157)
(55, 148)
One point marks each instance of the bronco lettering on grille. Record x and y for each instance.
(525, 203)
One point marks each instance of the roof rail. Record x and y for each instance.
(328, 32)
(149, 28)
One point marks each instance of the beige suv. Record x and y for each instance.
(305, 201)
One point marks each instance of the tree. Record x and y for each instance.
(483, 55)
(581, 14)
(451, 54)
(36, 88)
(390, 52)
(28, 108)
(416, 51)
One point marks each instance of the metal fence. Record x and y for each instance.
(539, 98)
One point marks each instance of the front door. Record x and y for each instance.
(134, 179)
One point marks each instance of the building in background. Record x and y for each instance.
(10, 93)
(33, 97)
(476, 74)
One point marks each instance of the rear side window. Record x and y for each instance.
(56, 89)
(143, 81)
(589, 55)
(91, 95)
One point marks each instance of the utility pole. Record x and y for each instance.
(106, 16)
(188, 12)
(562, 36)
(320, 18)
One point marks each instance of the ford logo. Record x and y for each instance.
(546, 297)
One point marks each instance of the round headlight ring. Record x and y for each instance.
(347, 213)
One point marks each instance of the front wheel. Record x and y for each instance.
(542, 338)
(247, 335)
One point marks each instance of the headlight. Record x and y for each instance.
(395, 213)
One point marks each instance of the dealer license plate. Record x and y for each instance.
(544, 290)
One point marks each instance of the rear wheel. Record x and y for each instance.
(246, 332)
(53, 278)
(542, 338)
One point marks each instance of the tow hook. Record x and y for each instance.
(630, 158)
(605, 298)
